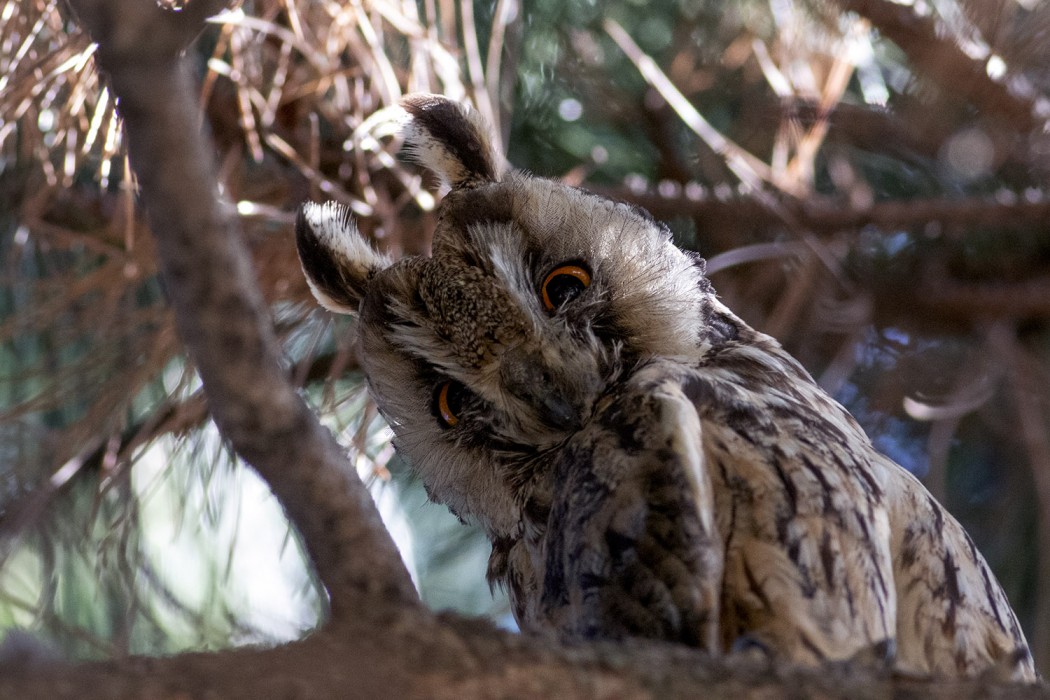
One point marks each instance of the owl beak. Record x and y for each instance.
(560, 413)
(526, 377)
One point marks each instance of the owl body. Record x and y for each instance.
(643, 462)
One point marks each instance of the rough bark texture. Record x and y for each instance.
(451, 658)
(379, 641)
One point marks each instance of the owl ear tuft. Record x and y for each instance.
(452, 140)
(337, 261)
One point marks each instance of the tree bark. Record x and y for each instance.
(452, 658)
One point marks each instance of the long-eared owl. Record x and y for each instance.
(644, 463)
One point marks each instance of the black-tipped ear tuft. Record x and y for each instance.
(452, 140)
(337, 261)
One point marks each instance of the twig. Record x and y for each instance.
(754, 253)
(501, 64)
(476, 70)
(751, 171)
(825, 215)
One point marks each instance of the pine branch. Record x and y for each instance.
(823, 215)
(220, 313)
(940, 58)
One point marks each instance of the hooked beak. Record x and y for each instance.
(554, 396)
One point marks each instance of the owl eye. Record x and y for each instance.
(563, 284)
(448, 403)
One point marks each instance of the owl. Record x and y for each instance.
(643, 462)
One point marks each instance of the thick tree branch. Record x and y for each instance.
(220, 313)
(456, 659)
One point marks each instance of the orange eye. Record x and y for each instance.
(563, 284)
(448, 402)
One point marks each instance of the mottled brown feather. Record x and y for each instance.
(644, 463)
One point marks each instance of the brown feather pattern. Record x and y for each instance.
(645, 464)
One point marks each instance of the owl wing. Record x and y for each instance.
(799, 500)
(631, 547)
(833, 551)
(808, 573)
(953, 617)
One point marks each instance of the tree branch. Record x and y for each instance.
(935, 293)
(451, 658)
(941, 59)
(824, 215)
(221, 315)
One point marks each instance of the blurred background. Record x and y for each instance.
(867, 179)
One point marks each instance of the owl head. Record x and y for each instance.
(537, 299)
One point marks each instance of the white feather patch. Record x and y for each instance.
(334, 230)
(453, 153)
